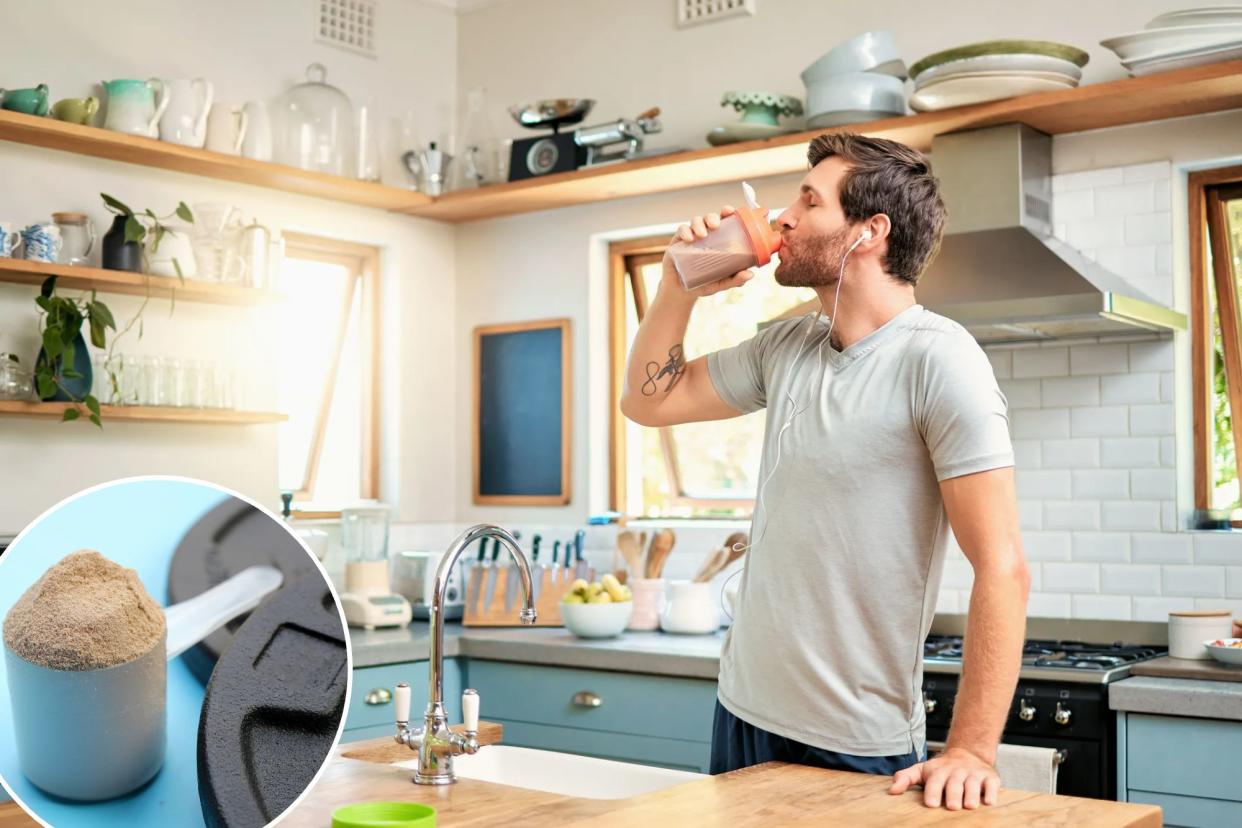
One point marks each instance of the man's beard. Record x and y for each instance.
(817, 262)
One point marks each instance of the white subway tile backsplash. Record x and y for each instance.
(1100, 359)
(1042, 484)
(1071, 514)
(1031, 514)
(946, 602)
(1151, 171)
(1164, 260)
(1151, 356)
(1071, 577)
(1136, 515)
(1168, 452)
(1125, 199)
(1132, 262)
(1129, 452)
(1130, 389)
(1028, 454)
(1158, 609)
(1161, 547)
(1045, 605)
(1073, 206)
(1132, 579)
(1102, 421)
(1101, 484)
(1046, 546)
(1161, 195)
(1151, 419)
(1167, 386)
(1153, 484)
(1199, 581)
(1076, 453)
(1034, 423)
(958, 574)
(1111, 607)
(1088, 179)
(1168, 517)
(1218, 548)
(1021, 393)
(1100, 547)
(1219, 604)
(1002, 363)
(1233, 583)
(1149, 228)
(1040, 362)
(1071, 391)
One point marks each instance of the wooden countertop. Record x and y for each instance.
(12, 816)
(1189, 668)
(772, 794)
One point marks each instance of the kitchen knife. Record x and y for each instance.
(569, 562)
(583, 568)
(495, 574)
(511, 583)
(556, 551)
(474, 586)
(536, 568)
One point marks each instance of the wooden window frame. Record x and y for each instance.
(363, 260)
(624, 260)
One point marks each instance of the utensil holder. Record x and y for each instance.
(649, 602)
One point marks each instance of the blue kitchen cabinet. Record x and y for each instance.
(373, 714)
(630, 717)
(1182, 764)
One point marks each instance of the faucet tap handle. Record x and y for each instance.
(403, 703)
(470, 710)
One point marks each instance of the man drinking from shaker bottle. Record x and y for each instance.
(885, 429)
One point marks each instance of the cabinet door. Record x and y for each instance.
(371, 710)
(1183, 756)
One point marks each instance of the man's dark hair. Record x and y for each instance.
(888, 177)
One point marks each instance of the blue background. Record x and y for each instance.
(138, 524)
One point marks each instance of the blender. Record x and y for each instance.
(368, 600)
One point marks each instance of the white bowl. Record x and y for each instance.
(998, 63)
(597, 620)
(1153, 43)
(1226, 655)
(1204, 16)
(969, 89)
(856, 92)
(867, 52)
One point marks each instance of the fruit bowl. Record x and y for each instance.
(1225, 650)
(597, 620)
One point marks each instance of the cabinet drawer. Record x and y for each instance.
(1190, 811)
(622, 747)
(1187, 757)
(386, 677)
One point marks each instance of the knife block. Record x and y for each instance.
(549, 590)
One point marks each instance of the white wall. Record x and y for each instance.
(250, 51)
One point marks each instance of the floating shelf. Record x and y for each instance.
(74, 277)
(144, 414)
(1194, 91)
(149, 152)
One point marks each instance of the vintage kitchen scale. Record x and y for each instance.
(583, 147)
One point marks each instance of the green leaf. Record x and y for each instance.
(47, 387)
(44, 302)
(95, 419)
(103, 313)
(67, 360)
(51, 343)
(70, 415)
(177, 267)
(183, 213)
(49, 285)
(69, 373)
(152, 215)
(92, 403)
(134, 231)
(97, 333)
(118, 206)
(160, 230)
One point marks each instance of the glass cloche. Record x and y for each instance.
(314, 125)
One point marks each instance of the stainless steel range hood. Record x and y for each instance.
(1000, 272)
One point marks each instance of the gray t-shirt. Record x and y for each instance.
(839, 591)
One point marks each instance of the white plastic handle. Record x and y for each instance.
(191, 621)
(470, 710)
(403, 702)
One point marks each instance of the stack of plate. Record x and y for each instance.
(861, 79)
(1179, 39)
(994, 70)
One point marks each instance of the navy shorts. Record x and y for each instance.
(737, 744)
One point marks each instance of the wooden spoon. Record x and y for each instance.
(710, 566)
(661, 546)
(630, 545)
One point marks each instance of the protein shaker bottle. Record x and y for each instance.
(743, 240)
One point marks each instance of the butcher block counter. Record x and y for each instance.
(775, 793)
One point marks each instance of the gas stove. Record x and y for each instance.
(1072, 661)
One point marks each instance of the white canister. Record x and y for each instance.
(1190, 628)
(648, 603)
(690, 609)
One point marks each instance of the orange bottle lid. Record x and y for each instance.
(763, 239)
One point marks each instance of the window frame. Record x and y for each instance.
(363, 260)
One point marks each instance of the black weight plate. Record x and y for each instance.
(273, 707)
(226, 540)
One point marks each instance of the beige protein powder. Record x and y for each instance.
(85, 613)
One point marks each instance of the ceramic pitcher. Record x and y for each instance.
(32, 101)
(226, 128)
(133, 106)
(185, 120)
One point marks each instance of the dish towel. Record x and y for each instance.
(1020, 767)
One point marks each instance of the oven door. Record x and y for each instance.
(1082, 770)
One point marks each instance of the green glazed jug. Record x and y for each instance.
(32, 101)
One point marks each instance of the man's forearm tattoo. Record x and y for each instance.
(673, 369)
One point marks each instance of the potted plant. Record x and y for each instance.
(134, 237)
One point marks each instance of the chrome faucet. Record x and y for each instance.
(435, 743)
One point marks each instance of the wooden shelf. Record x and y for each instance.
(1193, 91)
(149, 152)
(22, 272)
(144, 414)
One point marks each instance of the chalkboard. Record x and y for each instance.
(522, 413)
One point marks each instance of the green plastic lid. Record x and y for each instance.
(384, 815)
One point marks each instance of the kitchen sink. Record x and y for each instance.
(563, 773)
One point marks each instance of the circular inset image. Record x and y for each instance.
(173, 655)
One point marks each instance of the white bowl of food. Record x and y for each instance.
(597, 610)
(1225, 650)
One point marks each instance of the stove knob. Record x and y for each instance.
(929, 704)
(1026, 712)
(1062, 716)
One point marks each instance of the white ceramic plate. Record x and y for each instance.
(1227, 655)
(735, 132)
(824, 120)
(999, 63)
(1206, 15)
(1056, 77)
(970, 90)
(1158, 42)
(1184, 60)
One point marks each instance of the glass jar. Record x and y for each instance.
(109, 379)
(16, 383)
(315, 126)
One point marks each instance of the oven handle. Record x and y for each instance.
(1058, 758)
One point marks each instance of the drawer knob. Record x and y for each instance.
(378, 696)
(586, 698)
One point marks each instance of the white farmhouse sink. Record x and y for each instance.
(563, 773)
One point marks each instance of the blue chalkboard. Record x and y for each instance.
(522, 397)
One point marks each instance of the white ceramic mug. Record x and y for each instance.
(690, 609)
(1188, 630)
(9, 238)
(226, 128)
(41, 243)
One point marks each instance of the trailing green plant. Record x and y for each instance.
(139, 225)
(61, 322)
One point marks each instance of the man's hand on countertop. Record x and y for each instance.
(958, 776)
